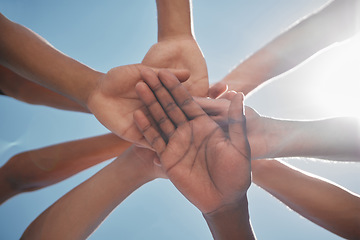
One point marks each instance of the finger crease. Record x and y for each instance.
(170, 107)
(186, 102)
(176, 86)
(156, 87)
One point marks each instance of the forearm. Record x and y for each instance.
(16, 86)
(332, 139)
(39, 168)
(77, 214)
(174, 18)
(30, 56)
(335, 22)
(318, 200)
(231, 222)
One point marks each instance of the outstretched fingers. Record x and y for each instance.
(237, 122)
(156, 111)
(161, 98)
(151, 135)
(181, 96)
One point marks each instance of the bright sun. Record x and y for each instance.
(336, 83)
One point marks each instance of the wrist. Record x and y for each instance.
(134, 173)
(261, 168)
(240, 80)
(252, 72)
(231, 221)
(146, 169)
(174, 18)
(95, 78)
(264, 135)
(278, 135)
(139, 163)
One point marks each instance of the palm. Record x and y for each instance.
(256, 125)
(115, 100)
(206, 166)
(210, 168)
(181, 54)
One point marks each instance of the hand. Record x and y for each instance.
(257, 127)
(239, 80)
(147, 160)
(114, 100)
(209, 167)
(181, 53)
(217, 90)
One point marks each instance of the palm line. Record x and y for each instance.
(185, 153)
(206, 162)
(205, 141)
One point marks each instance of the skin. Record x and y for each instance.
(78, 213)
(334, 22)
(20, 88)
(274, 138)
(109, 96)
(176, 47)
(115, 98)
(324, 203)
(209, 167)
(39, 168)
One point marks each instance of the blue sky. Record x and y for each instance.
(112, 33)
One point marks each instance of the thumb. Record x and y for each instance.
(181, 74)
(237, 121)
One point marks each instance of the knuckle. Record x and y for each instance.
(170, 107)
(162, 120)
(186, 102)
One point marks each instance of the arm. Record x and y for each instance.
(176, 46)
(334, 139)
(32, 57)
(337, 21)
(35, 169)
(211, 169)
(324, 203)
(110, 97)
(174, 19)
(13, 85)
(78, 213)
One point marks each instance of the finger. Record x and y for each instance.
(237, 121)
(181, 96)
(151, 135)
(164, 98)
(216, 90)
(156, 111)
(213, 107)
(228, 95)
(216, 109)
(182, 74)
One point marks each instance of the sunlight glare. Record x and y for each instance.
(336, 84)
